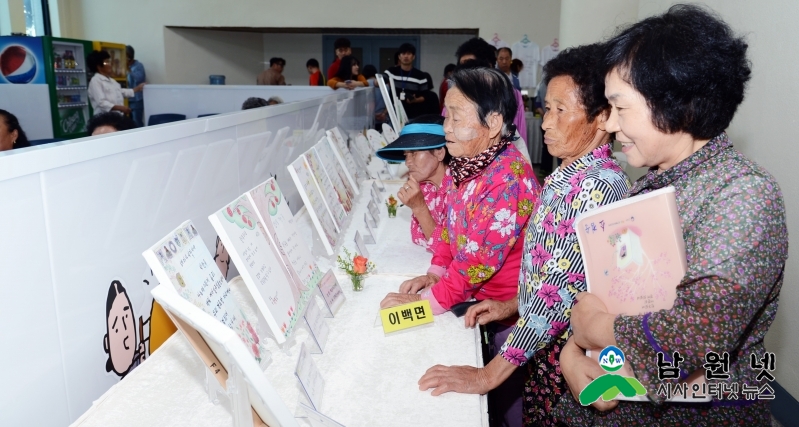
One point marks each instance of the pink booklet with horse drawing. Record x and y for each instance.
(634, 257)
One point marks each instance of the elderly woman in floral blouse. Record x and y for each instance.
(421, 145)
(490, 196)
(552, 269)
(674, 83)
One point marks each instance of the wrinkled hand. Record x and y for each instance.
(490, 311)
(395, 299)
(417, 284)
(588, 315)
(579, 370)
(460, 379)
(411, 195)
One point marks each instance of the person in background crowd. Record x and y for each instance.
(349, 75)
(381, 112)
(254, 102)
(422, 146)
(491, 192)
(342, 49)
(136, 76)
(516, 66)
(109, 122)
(442, 89)
(105, 93)
(273, 76)
(414, 88)
(670, 106)
(274, 100)
(476, 52)
(504, 59)
(316, 77)
(11, 134)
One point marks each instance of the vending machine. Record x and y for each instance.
(68, 77)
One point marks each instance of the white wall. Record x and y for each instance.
(142, 25)
(584, 22)
(192, 55)
(438, 50)
(763, 128)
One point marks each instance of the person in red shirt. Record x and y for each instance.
(316, 77)
(442, 90)
(342, 46)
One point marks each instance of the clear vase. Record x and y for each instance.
(357, 282)
(392, 211)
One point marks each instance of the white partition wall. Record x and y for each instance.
(76, 216)
(196, 100)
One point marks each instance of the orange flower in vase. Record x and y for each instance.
(359, 264)
(391, 205)
(356, 267)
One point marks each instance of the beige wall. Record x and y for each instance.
(192, 55)
(142, 24)
(763, 129)
(583, 22)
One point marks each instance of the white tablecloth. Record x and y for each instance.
(370, 379)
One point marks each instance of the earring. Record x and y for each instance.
(13, 142)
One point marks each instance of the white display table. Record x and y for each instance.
(370, 379)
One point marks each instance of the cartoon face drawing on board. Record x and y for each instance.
(120, 338)
(221, 257)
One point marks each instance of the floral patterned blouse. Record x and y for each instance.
(736, 242)
(552, 268)
(476, 254)
(434, 198)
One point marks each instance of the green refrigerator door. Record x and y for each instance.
(68, 78)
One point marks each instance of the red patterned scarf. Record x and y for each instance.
(466, 168)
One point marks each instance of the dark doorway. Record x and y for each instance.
(375, 50)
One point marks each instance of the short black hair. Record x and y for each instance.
(312, 63)
(96, 58)
(407, 48)
(510, 52)
(130, 52)
(341, 42)
(516, 65)
(345, 68)
(490, 90)
(583, 65)
(688, 65)
(254, 102)
(110, 118)
(448, 69)
(12, 124)
(482, 51)
(369, 71)
(277, 60)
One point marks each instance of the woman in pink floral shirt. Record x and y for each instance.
(490, 196)
(421, 146)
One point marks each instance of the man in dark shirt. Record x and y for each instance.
(414, 87)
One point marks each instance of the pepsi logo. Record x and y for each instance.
(18, 64)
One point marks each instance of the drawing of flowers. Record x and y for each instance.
(549, 294)
(557, 328)
(548, 223)
(539, 324)
(575, 277)
(540, 255)
(479, 273)
(515, 354)
(566, 297)
(505, 222)
(565, 227)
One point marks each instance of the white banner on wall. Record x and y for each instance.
(77, 216)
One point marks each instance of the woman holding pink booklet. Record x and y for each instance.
(674, 82)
